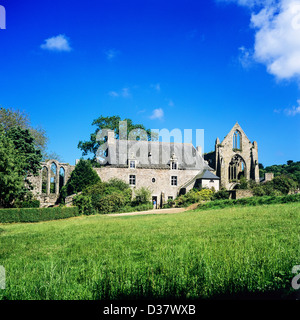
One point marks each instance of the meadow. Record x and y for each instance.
(233, 252)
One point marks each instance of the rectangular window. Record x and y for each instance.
(170, 198)
(132, 164)
(174, 181)
(132, 180)
(174, 165)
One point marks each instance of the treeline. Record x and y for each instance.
(290, 169)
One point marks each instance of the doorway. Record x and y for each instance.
(154, 202)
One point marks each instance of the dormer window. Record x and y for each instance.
(173, 162)
(132, 164)
(174, 165)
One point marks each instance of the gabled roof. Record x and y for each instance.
(156, 154)
(206, 174)
(234, 128)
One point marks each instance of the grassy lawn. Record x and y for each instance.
(197, 254)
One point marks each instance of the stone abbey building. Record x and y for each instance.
(167, 169)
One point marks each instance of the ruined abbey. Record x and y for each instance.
(167, 169)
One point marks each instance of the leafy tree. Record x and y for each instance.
(284, 184)
(11, 118)
(111, 123)
(19, 158)
(81, 177)
(291, 169)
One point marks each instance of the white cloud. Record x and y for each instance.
(125, 93)
(293, 111)
(171, 103)
(58, 43)
(245, 57)
(113, 94)
(111, 54)
(157, 114)
(156, 86)
(277, 40)
(277, 37)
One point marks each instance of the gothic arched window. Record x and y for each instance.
(236, 143)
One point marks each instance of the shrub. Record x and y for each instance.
(110, 203)
(284, 184)
(84, 204)
(82, 176)
(252, 201)
(258, 190)
(194, 196)
(142, 196)
(243, 184)
(221, 195)
(30, 204)
(37, 214)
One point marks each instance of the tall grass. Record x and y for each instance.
(202, 254)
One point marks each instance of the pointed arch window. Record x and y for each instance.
(53, 178)
(236, 143)
(61, 177)
(44, 180)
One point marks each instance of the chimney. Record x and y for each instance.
(269, 176)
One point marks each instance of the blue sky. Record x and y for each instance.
(165, 64)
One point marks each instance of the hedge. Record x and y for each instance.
(37, 214)
(251, 201)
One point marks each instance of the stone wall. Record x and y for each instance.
(240, 193)
(157, 180)
(225, 154)
(45, 195)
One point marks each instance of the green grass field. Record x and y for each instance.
(229, 252)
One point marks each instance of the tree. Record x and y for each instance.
(19, 158)
(82, 176)
(11, 118)
(111, 123)
(284, 184)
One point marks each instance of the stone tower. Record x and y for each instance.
(234, 157)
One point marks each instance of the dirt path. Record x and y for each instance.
(156, 211)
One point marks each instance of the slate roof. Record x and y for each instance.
(155, 154)
(207, 175)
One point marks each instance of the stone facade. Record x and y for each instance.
(234, 157)
(159, 181)
(167, 169)
(240, 193)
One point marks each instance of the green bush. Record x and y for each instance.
(84, 204)
(82, 176)
(110, 203)
(37, 214)
(221, 195)
(142, 196)
(284, 184)
(194, 196)
(252, 201)
(31, 204)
